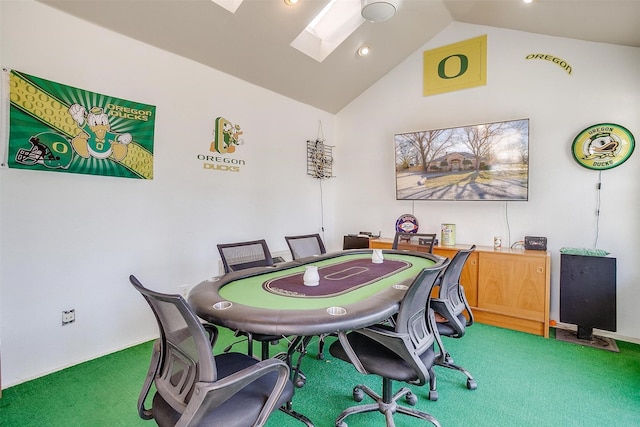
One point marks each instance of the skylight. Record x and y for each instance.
(230, 5)
(337, 21)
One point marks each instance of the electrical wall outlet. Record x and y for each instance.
(68, 316)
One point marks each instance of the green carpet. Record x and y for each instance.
(523, 380)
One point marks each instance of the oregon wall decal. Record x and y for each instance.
(456, 66)
(226, 137)
(559, 61)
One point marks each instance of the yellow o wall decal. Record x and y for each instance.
(456, 66)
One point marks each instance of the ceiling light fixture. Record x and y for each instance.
(290, 2)
(379, 10)
(364, 50)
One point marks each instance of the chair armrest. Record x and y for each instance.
(463, 296)
(444, 309)
(207, 396)
(353, 357)
(146, 414)
(212, 330)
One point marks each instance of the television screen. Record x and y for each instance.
(488, 161)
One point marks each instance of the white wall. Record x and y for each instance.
(604, 87)
(71, 241)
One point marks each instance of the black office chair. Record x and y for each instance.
(407, 241)
(355, 242)
(306, 245)
(240, 256)
(403, 352)
(243, 255)
(195, 388)
(450, 307)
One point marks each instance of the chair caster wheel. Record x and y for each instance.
(358, 394)
(471, 384)
(300, 381)
(320, 356)
(433, 395)
(411, 399)
(341, 424)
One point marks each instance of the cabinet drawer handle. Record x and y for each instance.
(474, 262)
(540, 269)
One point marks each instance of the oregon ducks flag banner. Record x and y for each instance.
(54, 127)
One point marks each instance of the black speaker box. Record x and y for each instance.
(535, 243)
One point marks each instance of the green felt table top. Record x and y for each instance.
(250, 292)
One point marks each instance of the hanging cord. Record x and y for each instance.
(506, 220)
(322, 211)
(598, 188)
(321, 138)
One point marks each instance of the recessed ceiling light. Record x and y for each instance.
(364, 50)
(528, 1)
(290, 2)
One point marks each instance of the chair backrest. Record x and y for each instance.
(404, 241)
(241, 255)
(305, 245)
(355, 242)
(451, 290)
(412, 316)
(185, 350)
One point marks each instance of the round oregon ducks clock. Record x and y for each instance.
(603, 146)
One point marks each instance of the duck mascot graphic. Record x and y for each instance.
(601, 145)
(226, 136)
(95, 138)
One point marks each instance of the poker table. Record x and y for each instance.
(353, 292)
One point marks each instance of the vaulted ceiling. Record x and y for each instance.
(253, 43)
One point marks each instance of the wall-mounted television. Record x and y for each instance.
(488, 161)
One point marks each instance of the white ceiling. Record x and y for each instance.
(253, 43)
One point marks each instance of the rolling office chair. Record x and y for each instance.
(355, 242)
(196, 388)
(449, 308)
(407, 241)
(243, 255)
(305, 245)
(240, 256)
(403, 352)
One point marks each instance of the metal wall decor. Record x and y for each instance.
(319, 159)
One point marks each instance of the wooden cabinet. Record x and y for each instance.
(507, 288)
(513, 290)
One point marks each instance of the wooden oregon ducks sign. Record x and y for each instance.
(456, 66)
